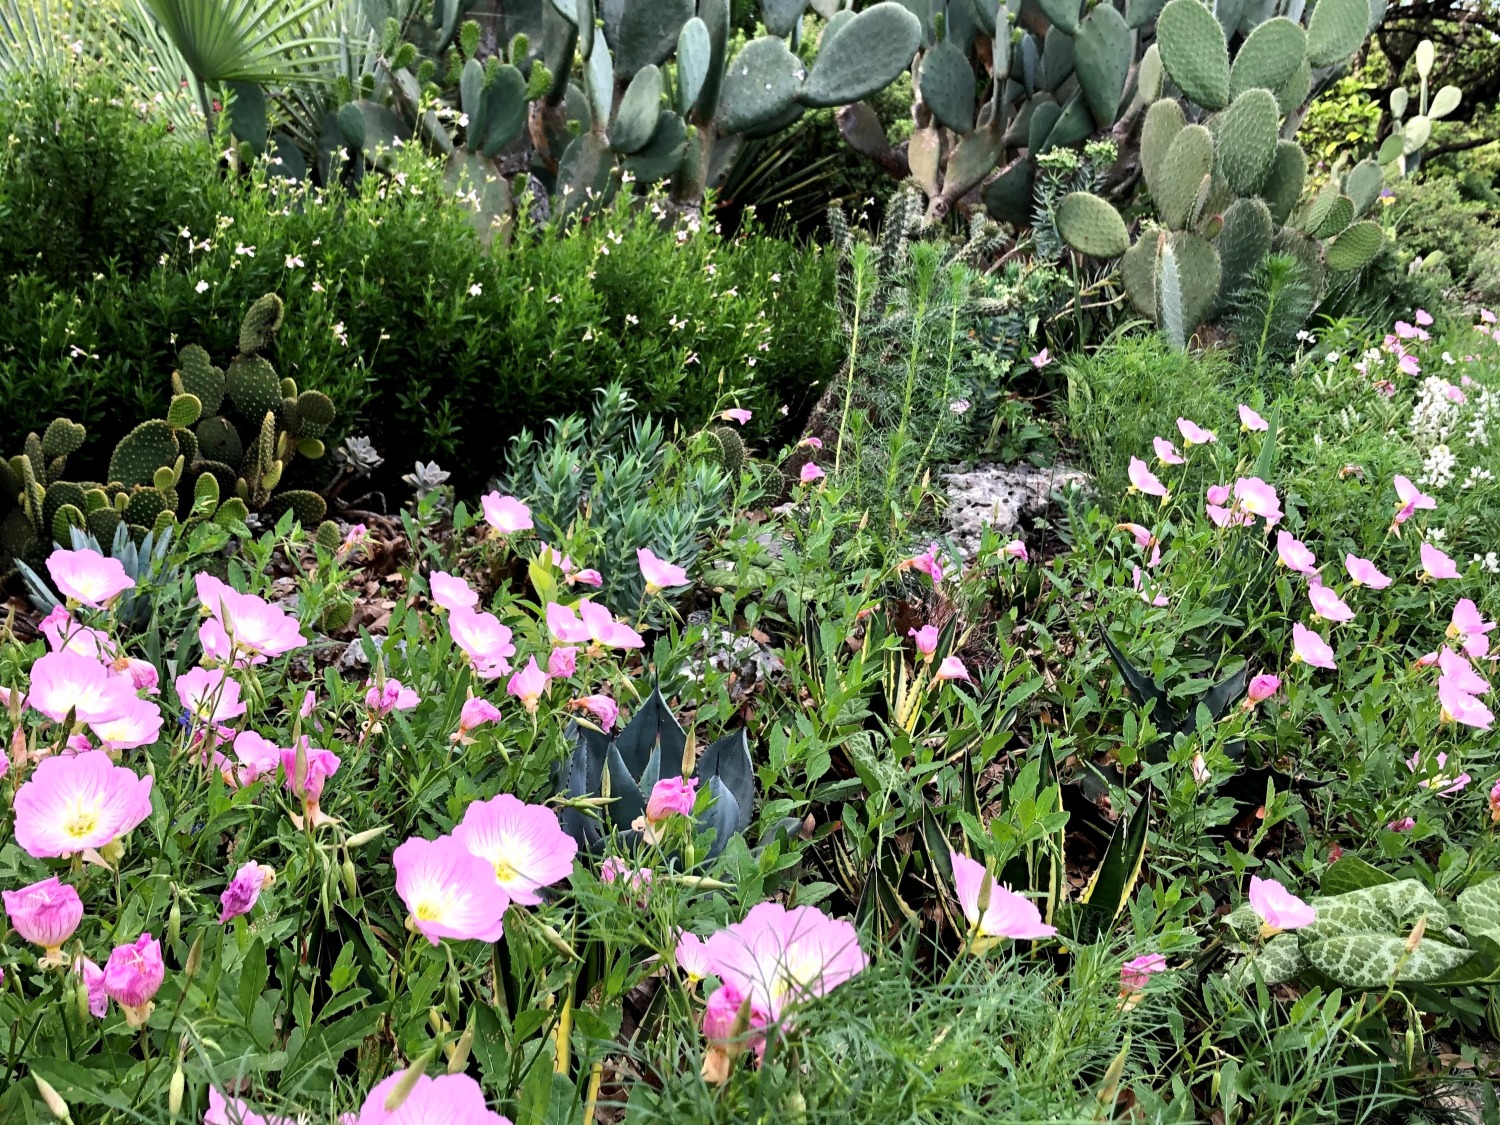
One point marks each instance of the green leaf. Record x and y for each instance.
(1352, 874)
(1479, 907)
(1372, 961)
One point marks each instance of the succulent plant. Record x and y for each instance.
(426, 479)
(1403, 148)
(359, 454)
(653, 746)
(144, 563)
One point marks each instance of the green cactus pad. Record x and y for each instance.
(205, 493)
(1142, 13)
(470, 98)
(1103, 52)
(947, 86)
(1008, 197)
(167, 520)
(101, 523)
(308, 508)
(585, 173)
(971, 161)
(639, 112)
(1444, 102)
(715, 16)
(1316, 212)
(1337, 218)
(1269, 56)
(65, 518)
(61, 494)
(1247, 133)
(166, 476)
(1044, 115)
(61, 438)
(664, 154)
(197, 376)
(1363, 184)
(1282, 187)
(1073, 124)
(261, 324)
(1092, 226)
(726, 448)
(869, 53)
(1189, 159)
(1243, 243)
(37, 458)
(694, 50)
(145, 505)
(505, 108)
(183, 411)
(311, 448)
(1295, 90)
(1138, 272)
(219, 441)
(1164, 120)
(760, 84)
(1336, 30)
(647, 33)
(1169, 315)
(1199, 271)
(1194, 52)
(782, 16)
(148, 447)
(231, 513)
(1062, 13)
(1057, 63)
(253, 386)
(328, 536)
(94, 499)
(1149, 75)
(314, 414)
(10, 482)
(1414, 134)
(1355, 247)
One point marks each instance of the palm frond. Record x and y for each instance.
(261, 41)
(36, 35)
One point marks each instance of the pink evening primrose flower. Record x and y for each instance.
(1137, 580)
(1310, 649)
(448, 891)
(952, 668)
(483, 640)
(505, 514)
(1144, 480)
(87, 577)
(1435, 564)
(928, 563)
(1495, 803)
(1294, 554)
(138, 724)
(1261, 688)
(306, 780)
(562, 661)
(93, 983)
(1016, 549)
(671, 796)
(738, 414)
(1362, 572)
(1250, 420)
(236, 1111)
(659, 575)
(725, 1036)
(1278, 909)
(1255, 496)
(395, 696)
(257, 756)
(65, 682)
(1402, 824)
(810, 472)
(616, 870)
(1006, 914)
(44, 914)
(132, 975)
(1469, 629)
(602, 707)
(1461, 673)
(523, 845)
(1194, 434)
(1446, 784)
(592, 623)
(451, 592)
(1423, 318)
(244, 889)
(586, 578)
(78, 803)
(1410, 499)
(1166, 452)
(1142, 535)
(777, 957)
(66, 633)
(476, 711)
(812, 442)
(1041, 359)
(208, 695)
(691, 957)
(448, 1099)
(528, 685)
(1328, 605)
(925, 638)
(1136, 973)
(1457, 706)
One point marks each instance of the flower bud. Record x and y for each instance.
(54, 1101)
(458, 1054)
(175, 1091)
(402, 1090)
(174, 924)
(351, 881)
(361, 838)
(194, 958)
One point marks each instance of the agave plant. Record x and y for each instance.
(144, 564)
(654, 746)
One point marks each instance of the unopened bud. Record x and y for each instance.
(458, 1054)
(174, 924)
(360, 838)
(54, 1101)
(175, 1091)
(455, 996)
(1414, 938)
(409, 1077)
(437, 1021)
(194, 958)
(351, 880)
(80, 998)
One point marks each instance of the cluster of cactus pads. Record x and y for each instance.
(1226, 186)
(187, 468)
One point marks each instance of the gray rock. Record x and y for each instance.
(1000, 496)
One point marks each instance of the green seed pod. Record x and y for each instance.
(351, 882)
(174, 924)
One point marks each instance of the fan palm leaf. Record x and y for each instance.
(261, 41)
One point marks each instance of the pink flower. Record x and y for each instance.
(738, 414)
(1142, 535)
(1405, 331)
(1194, 434)
(483, 640)
(562, 662)
(1403, 824)
(394, 697)
(1261, 688)
(141, 673)
(602, 707)
(1250, 420)
(1293, 553)
(1136, 974)
(87, 577)
(1144, 480)
(475, 712)
(1255, 496)
(236, 1111)
(306, 780)
(586, 578)
(1495, 803)
(132, 975)
(1041, 359)
(810, 472)
(240, 895)
(1217, 494)
(258, 757)
(528, 685)
(603, 630)
(524, 845)
(1423, 317)
(1328, 605)
(1362, 572)
(138, 723)
(93, 983)
(78, 803)
(1137, 580)
(1435, 564)
(65, 634)
(448, 891)
(1310, 649)
(1410, 499)
(505, 514)
(1457, 706)
(64, 682)
(451, 592)
(255, 629)
(208, 695)
(1166, 452)
(659, 575)
(448, 1099)
(1469, 628)
(926, 639)
(1277, 908)
(1460, 673)
(614, 870)
(45, 914)
(928, 563)
(1454, 394)
(727, 1040)
(952, 668)
(691, 957)
(777, 956)
(1006, 915)
(671, 796)
(812, 442)
(1446, 784)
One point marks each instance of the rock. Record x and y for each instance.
(1001, 496)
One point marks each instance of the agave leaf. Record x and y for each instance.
(1114, 879)
(41, 594)
(628, 803)
(1142, 687)
(726, 763)
(1224, 693)
(651, 727)
(723, 816)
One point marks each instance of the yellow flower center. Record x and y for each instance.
(504, 872)
(428, 911)
(83, 823)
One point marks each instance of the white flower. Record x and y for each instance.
(1332, 357)
(293, 262)
(340, 334)
(1304, 335)
(959, 406)
(244, 251)
(555, 299)
(476, 289)
(631, 318)
(318, 287)
(776, 279)
(463, 120)
(201, 287)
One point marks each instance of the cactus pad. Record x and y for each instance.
(1199, 270)
(1243, 243)
(61, 438)
(307, 508)
(197, 376)
(148, 447)
(1194, 52)
(664, 154)
(1340, 214)
(1247, 134)
(145, 505)
(646, 33)
(1164, 120)
(1295, 90)
(1149, 75)
(63, 494)
(694, 49)
(726, 448)
(253, 386)
(1062, 13)
(869, 52)
(1057, 62)
(64, 520)
(1138, 271)
(761, 83)
(1189, 160)
(328, 536)
(1092, 226)
(505, 108)
(219, 441)
(1282, 187)
(639, 112)
(1355, 248)
(947, 86)
(183, 411)
(261, 324)
(1336, 30)
(1008, 197)
(314, 413)
(1363, 185)
(1102, 53)
(1268, 57)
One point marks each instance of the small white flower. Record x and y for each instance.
(201, 287)
(318, 287)
(476, 289)
(162, 260)
(776, 279)
(692, 358)
(463, 120)
(555, 299)
(1332, 357)
(340, 334)
(293, 262)
(1304, 335)
(244, 251)
(631, 318)
(959, 406)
